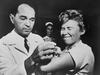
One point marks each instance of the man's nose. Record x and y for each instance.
(27, 23)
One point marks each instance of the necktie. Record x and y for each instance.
(26, 45)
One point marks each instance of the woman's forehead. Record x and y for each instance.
(71, 23)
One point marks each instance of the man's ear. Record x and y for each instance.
(11, 18)
(82, 32)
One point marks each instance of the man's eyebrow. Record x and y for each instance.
(23, 16)
(32, 18)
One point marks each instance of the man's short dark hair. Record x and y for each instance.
(14, 6)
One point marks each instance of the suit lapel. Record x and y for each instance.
(20, 48)
(13, 39)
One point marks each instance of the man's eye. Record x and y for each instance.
(33, 19)
(22, 18)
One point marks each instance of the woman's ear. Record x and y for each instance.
(11, 18)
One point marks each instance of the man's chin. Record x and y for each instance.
(26, 34)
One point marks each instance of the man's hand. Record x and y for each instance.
(44, 52)
(46, 45)
(42, 55)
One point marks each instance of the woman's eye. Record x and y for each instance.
(69, 28)
(62, 28)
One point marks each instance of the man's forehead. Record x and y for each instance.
(26, 9)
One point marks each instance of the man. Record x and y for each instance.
(77, 58)
(18, 45)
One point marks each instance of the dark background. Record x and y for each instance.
(48, 10)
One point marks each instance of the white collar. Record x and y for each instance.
(78, 43)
